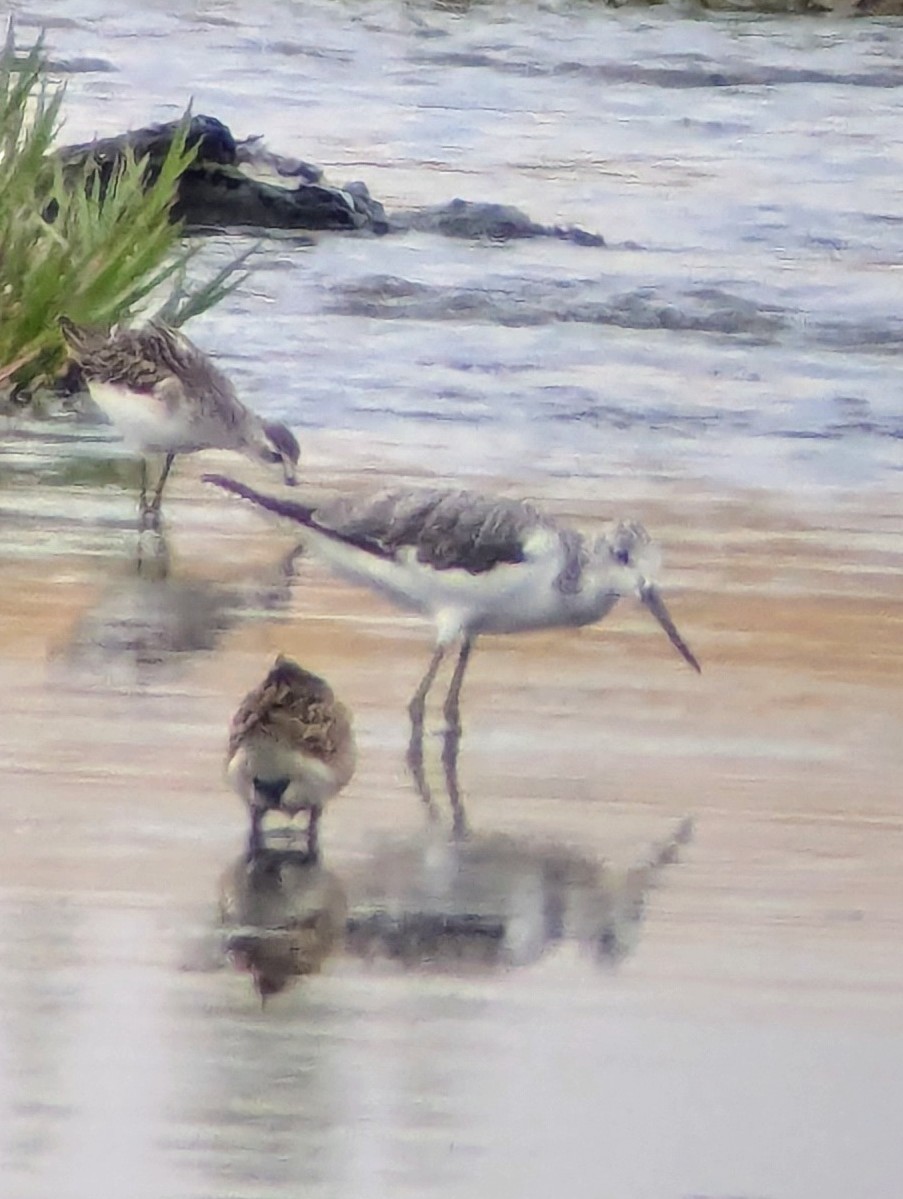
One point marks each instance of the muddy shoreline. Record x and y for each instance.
(761, 955)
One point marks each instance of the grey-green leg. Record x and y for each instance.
(158, 494)
(313, 835)
(452, 740)
(255, 835)
(416, 710)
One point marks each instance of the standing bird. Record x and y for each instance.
(291, 748)
(474, 564)
(167, 397)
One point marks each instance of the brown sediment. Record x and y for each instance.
(786, 750)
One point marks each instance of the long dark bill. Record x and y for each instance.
(656, 605)
(302, 513)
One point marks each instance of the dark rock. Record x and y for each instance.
(214, 141)
(215, 190)
(253, 154)
(79, 66)
(222, 196)
(241, 184)
(486, 222)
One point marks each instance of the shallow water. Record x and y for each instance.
(543, 1008)
(742, 322)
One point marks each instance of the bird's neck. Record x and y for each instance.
(584, 583)
(594, 594)
(594, 600)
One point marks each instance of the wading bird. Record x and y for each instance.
(165, 396)
(291, 749)
(474, 564)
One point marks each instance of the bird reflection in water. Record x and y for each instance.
(447, 900)
(282, 914)
(453, 900)
(434, 904)
(151, 621)
(447, 903)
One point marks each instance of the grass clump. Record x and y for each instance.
(73, 243)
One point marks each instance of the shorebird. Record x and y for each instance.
(166, 397)
(474, 564)
(291, 749)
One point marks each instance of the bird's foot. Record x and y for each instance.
(149, 518)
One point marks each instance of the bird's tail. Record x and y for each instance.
(303, 514)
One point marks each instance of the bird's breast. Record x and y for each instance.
(145, 422)
(311, 780)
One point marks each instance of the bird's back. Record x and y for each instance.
(190, 391)
(447, 529)
(295, 709)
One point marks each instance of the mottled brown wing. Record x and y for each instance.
(295, 706)
(210, 393)
(251, 712)
(314, 726)
(461, 530)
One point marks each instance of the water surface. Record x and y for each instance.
(725, 1024)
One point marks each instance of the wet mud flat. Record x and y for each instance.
(548, 1005)
(565, 1003)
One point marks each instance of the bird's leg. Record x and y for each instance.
(313, 836)
(452, 712)
(255, 836)
(452, 707)
(154, 564)
(158, 494)
(147, 517)
(418, 701)
(288, 563)
(415, 746)
(450, 766)
(149, 510)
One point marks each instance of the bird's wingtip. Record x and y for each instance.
(233, 486)
(298, 512)
(222, 481)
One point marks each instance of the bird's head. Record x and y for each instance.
(632, 560)
(279, 444)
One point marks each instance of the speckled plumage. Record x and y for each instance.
(447, 529)
(166, 396)
(291, 745)
(298, 707)
(474, 564)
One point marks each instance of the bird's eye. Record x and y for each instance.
(621, 555)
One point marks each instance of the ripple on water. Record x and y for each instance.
(727, 370)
